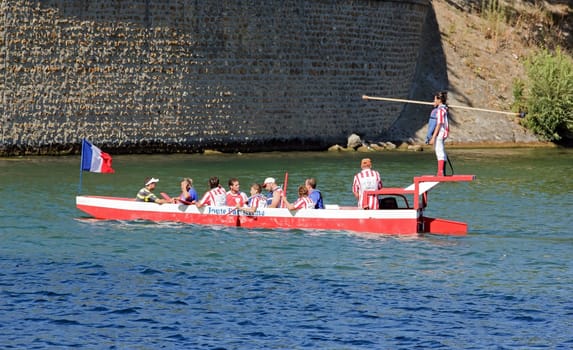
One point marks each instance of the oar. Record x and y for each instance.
(285, 184)
(365, 97)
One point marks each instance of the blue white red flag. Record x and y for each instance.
(94, 160)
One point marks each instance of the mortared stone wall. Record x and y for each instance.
(184, 76)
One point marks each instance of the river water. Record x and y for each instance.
(67, 281)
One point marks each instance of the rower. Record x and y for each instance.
(146, 193)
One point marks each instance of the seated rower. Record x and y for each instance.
(314, 193)
(146, 193)
(303, 201)
(236, 198)
(256, 200)
(274, 198)
(216, 196)
(188, 193)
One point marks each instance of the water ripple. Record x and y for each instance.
(81, 283)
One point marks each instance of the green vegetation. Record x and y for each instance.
(547, 95)
(541, 24)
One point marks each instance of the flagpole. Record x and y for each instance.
(81, 168)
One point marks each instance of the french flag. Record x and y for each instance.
(94, 160)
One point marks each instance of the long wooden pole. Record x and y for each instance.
(365, 97)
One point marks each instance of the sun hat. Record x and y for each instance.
(153, 180)
(269, 180)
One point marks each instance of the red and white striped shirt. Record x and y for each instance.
(367, 180)
(214, 197)
(303, 203)
(258, 201)
(442, 119)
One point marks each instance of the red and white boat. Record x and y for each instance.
(402, 212)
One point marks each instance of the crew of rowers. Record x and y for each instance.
(309, 197)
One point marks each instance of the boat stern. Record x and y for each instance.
(443, 227)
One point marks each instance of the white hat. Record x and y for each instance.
(269, 180)
(153, 180)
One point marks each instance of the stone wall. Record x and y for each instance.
(176, 75)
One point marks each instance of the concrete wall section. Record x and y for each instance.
(145, 75)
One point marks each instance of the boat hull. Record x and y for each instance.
(401, 221)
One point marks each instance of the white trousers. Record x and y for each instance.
(439, 147)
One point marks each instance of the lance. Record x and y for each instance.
(365, 97)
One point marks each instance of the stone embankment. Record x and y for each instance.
(183, 76)
(357, 144)
(219, 75)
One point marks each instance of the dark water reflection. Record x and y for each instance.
(67, 281)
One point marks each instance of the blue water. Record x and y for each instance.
(67, 281)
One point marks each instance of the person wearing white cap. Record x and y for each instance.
(274, 199)
(146, 193)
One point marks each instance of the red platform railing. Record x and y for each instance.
(420, 188)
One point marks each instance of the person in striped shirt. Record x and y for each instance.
(303, 201)
(257, 200)
(366, 180)
(216, 196)
(146, 193)
(441, 130)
